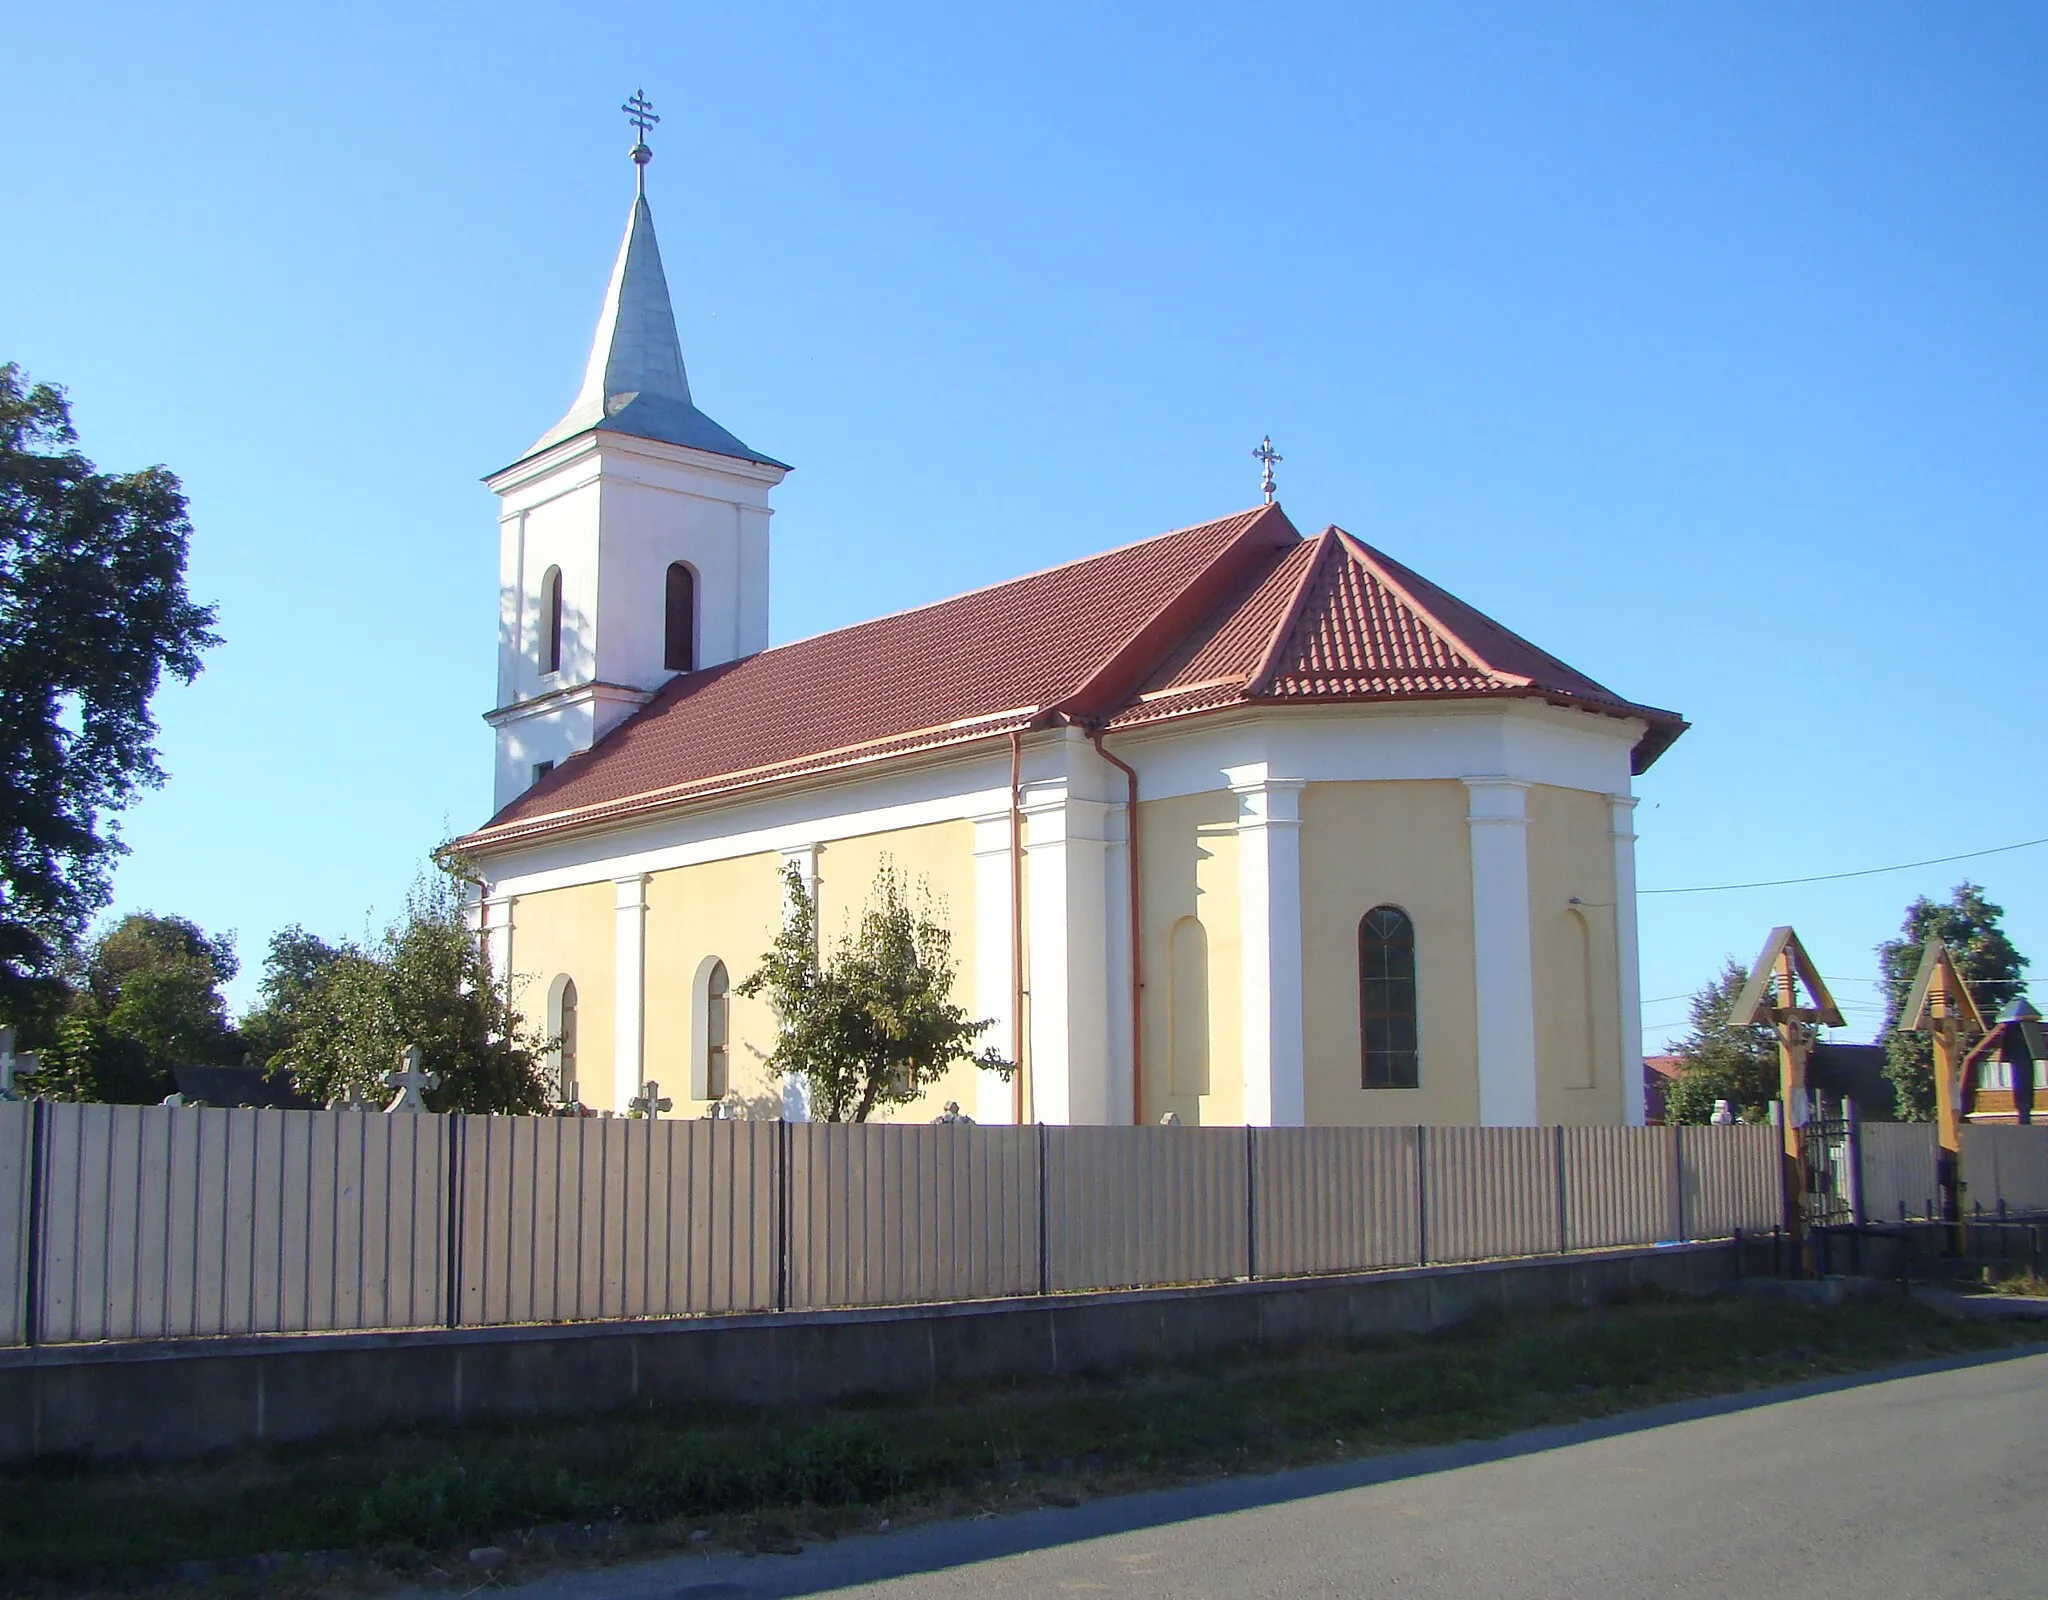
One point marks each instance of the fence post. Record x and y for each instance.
(1853, 1123)
(1678, 1180)
(1564, 1237)
(452, 1228)
(1421, 1196)
(785, 1209)
(32, 1250)
(1251, 1201)
(1044, 1213)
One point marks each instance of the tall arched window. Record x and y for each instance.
(562, 1023)
(679, 631)
(551, 621)
(717, 1019)
(1386, 999)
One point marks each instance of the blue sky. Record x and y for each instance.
(1702, 344)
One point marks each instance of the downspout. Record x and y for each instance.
(1137, 931)
(1017, 925)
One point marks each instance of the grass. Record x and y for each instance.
(2029, 1284)
(415, 1502)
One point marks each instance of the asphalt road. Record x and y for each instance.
(1934, 1484)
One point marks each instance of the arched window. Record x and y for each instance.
(551, 621)
(679, 631)
(717, 1018)
(562, 1023)
(1386, 999)
(1187, 953)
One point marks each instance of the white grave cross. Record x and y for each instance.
(412, 1081)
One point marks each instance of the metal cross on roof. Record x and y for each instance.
(1267, 457)
(640, 112)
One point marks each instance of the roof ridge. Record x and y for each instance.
(1268, 668)
(1111, 681)
(1004, 583)
(1439, 629)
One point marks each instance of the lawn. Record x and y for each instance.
(416, 1502)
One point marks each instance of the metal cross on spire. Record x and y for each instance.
(640, 113)
(1267, 457)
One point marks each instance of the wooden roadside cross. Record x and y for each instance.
(1939, 1004)
(649, 1102)
(411, 1080)
(1771, 999)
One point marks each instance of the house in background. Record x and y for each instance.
(1229, 823)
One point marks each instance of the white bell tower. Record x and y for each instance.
(633, 534)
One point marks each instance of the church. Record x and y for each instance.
(1233, 824)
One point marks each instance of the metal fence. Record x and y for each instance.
(2005, 1169)
(1896, 1174)
(129, 1222)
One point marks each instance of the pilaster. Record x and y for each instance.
(629, 957)
(496, 919)
(1503, 964)
(1621, 810)
(1067, 957)
(994, 926)
(1269, 904)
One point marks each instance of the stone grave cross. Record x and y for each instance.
(649, 1101)
(412, 1081)
(10, 1063)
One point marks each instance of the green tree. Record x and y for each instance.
(293, 971)
(426, 982)
(93, 613)
(1969, 925)
(871, 1022)
(87, 1060)
(146, 999)
(1739, 1065)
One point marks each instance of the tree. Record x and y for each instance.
(93, 613)
(426, 982)
(1968, 925)
(146, 1000)
(1739, 1065)
(292, 974)
(873, 1022)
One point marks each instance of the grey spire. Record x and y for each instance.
(634, 382)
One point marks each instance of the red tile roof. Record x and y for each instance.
(1241, 611)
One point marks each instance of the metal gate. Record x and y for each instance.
(1827, 1160)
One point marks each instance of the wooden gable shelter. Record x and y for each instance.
(1939, 1005)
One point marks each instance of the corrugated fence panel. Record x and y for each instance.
(1620, 1186)
(17, 1126)
(1130, 1206)
(1334, 1199)
(1733, 1179)
(903, 1213)
(163, 1221)
(1898, 1171)
(1490, 1193)
(2005, 1165)
(572, 1219)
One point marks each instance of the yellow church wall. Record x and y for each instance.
(728, 909)
(938, 860)
(569, 931)
(1403, 844)
(1189, 906)
(1572, 948)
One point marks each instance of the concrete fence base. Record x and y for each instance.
(187, 1397)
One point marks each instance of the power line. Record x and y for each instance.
(1831, 877)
